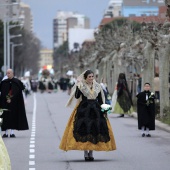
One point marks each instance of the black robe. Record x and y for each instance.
(15, 117)
(146, 114)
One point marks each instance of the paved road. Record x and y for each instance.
(37, 149)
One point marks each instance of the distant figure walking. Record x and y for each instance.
(121, 99)
(146, 111)
(139, 83)
(106, 92)
(12, 99)
(157, 87)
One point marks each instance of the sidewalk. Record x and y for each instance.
(158, 124)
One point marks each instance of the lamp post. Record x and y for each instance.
(6, 23)
(8, 47)
(12, 53)
(8, 41)
(5, 51)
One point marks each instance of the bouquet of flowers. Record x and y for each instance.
(1, 112)
(105, 108)
(9, 96)
(1, 121)
(150, 99)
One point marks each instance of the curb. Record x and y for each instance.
(158, 124)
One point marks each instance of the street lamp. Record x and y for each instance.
(8, 47)
(6, 23)
(18, 25)
(15, 36)
(12, 53)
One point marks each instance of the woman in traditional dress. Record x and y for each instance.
(87, 128)
(4, 157)
(43, 81)
(50, 84)
(121, 99)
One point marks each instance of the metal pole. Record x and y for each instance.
(8, 46)
(12, 57)
(13, 53)
(5, 63)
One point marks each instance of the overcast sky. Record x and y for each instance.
(44, 11)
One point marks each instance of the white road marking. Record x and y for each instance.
(32, 156)
(31, 162)
(32, 146)
(32, 139)
(32, 150)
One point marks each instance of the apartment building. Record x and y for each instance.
(114, 9)
(26, 17)
(132, 8)
(65, 20)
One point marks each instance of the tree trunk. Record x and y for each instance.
(148, 72)
(164, 77)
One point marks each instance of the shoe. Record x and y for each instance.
(122, 115)
(87, 158)
(91, 158)
(143, 135)
(5, 136)
(148, 135)
(12, 136)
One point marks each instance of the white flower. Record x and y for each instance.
(1, 112)
(152, 93)
(105, 106)
(1, 120)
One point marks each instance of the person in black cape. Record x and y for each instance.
(12, 99)
(146, 111)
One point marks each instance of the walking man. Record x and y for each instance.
(12, 99)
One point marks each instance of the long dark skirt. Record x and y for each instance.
(90, 123)
(42, 86)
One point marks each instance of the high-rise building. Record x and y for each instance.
(9, 9)
(114, 9)
(26, 17)
(65, 20)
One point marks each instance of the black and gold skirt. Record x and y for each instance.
(88, 129)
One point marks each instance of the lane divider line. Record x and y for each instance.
(32, 163)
